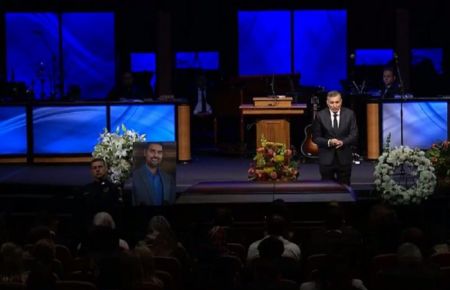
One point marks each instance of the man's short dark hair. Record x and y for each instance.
(98, 160)
(154, 143)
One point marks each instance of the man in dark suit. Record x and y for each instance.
(335, 131)
(151, 185)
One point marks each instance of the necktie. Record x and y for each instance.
(335, 121)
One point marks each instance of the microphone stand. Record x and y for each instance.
(402, 96)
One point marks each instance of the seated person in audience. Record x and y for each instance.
(161, 239)
(152, 185)
(276, 227)
(391, 86)
(411, 272)
(147, 265)
(334, 275)
(130, 89)
(104, 219)
(44, 254)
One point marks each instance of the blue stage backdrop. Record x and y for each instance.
(376, 57)
(89, 54)
(321, 47)
(33, 56)
(13, 130)
(32, 50)
(144, 62)
(206, 60)
(67, 130)
(432, 55)
(424, 123)
(264, 42)
(156, 121)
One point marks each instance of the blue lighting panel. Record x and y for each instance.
(13, 130)
(264, 42)
(320, 42)
(67, 130)
(433, 55)
(201, 60)
(424, 123)
(144, 62)
(376, 57)
(89, 54)
(156, 121)
(32, 50)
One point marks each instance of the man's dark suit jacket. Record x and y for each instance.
(347, 132)
(142, 189)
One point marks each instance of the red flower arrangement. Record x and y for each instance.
(273, 162)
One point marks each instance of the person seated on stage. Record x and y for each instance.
(276, 227)
(152, 185)
(130, 89)
(391, 85)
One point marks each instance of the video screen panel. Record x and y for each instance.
(157, 121)
(424, 123)
(68, 129)
(13, 130)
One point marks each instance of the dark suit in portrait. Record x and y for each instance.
(144, 192)
(335, 143)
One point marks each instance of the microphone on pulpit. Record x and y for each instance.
(272, 86)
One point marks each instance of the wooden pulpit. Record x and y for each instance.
(273, 122)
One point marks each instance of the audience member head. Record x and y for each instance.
(271, 248)
(160, 233)
(415, 236)
(104, 219)
(44, 251)
(408, 253)
(99, 169)
(276, 225)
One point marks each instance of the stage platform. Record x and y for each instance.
(23, 180)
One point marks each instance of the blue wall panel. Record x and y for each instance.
(13, 130)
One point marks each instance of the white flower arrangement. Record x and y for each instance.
(408, 164)
(116, 148)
